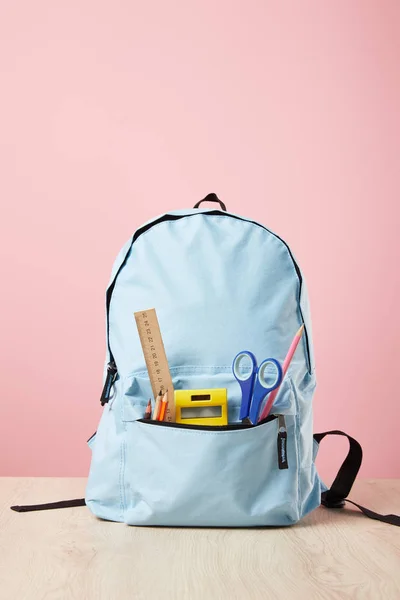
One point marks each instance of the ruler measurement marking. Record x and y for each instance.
(155, 357)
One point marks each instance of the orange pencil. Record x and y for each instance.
(164, 404)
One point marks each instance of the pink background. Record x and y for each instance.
(114, 112)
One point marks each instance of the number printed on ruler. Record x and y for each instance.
(153, 351)
(155, 357)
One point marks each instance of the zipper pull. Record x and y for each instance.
(109, 382)
(282, 443)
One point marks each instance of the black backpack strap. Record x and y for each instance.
(50, 505)
(336, 496)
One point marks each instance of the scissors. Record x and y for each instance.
(256, 384)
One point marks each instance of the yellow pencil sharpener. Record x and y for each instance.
(201, 407)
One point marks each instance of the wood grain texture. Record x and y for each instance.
(69, 554)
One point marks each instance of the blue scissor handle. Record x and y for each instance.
(262, 387)
(245, 380)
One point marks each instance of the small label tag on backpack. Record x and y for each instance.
(282, 443)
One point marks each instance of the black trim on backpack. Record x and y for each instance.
(336, 495)
(50, 505)
(91, 437)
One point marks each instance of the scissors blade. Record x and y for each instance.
(258, 396)
(247, 392)
(261, 389)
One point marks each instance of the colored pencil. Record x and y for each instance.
(164, 404)
(285, 367)
(147, 414)
(157, 407)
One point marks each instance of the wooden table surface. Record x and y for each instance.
(68, 553)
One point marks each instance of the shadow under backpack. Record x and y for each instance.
(220, 284)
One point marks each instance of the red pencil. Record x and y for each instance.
(147, 414)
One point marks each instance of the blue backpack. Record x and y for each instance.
(220, 283)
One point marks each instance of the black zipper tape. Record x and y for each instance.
(230, 427)
(91, 437)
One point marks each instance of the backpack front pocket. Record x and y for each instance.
(136, 390)
(185, 476)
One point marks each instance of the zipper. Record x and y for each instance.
(145, 228)
(109, 382)
(230, 427)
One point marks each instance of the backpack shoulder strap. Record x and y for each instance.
(50, 505)
(336, 496)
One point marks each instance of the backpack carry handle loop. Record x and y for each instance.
(211, 198)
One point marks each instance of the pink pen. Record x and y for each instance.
(285, 367)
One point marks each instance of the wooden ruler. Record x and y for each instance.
(155, 357)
